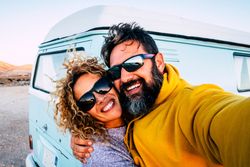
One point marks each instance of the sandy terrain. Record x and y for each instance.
(13, 126)
(11, 75)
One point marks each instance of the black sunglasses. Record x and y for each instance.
(88, 100)
(131, 64)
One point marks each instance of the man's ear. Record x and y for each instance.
(159, 60)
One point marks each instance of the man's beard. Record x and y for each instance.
(140, 103)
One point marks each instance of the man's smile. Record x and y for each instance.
(132, 87)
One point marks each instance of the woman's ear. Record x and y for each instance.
(160, 64)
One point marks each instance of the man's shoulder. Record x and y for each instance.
(206, 88)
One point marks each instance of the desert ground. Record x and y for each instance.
(13, 126)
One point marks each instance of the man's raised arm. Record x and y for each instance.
(81, 148)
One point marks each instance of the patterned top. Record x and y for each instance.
(113, 153)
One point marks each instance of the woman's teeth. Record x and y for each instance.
(108, 106)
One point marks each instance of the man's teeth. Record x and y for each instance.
(133, 87)
(108, 106)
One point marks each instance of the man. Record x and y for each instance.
(177, 124)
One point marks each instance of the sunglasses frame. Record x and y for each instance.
(92, 101)
(115, 72)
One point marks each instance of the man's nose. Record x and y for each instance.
(126, 76)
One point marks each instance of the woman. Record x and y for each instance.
(89, 107)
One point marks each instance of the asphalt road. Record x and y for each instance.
(13, 126)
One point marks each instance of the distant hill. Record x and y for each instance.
(6, 67)
(11, 75)
(26, 67)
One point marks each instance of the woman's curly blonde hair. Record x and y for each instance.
(67, 114)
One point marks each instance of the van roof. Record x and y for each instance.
(105, 16)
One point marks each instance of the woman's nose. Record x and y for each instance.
(99, 97)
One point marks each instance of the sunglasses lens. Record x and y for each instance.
(130, 67)
(114, 73)
(86, 102)
(102, 86)
(133, 63)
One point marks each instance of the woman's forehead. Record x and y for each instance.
(84, 83)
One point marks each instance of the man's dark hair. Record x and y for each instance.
(123, 32)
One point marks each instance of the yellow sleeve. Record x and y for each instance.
(230, 130)
(217, 124)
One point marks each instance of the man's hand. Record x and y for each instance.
(81, 148)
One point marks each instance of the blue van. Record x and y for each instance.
(203, 53)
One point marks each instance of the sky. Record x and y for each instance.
(25, 23)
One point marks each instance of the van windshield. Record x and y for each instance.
(49, 68)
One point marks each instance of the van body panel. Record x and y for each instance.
(48, 139)
(189, 58)
(202, 53)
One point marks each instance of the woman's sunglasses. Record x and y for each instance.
(131, 64)
(88, 100)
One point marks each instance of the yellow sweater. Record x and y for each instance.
(192, 126)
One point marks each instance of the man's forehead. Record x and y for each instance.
(129, 46)
(124, 51)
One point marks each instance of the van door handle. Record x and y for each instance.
(45, 127)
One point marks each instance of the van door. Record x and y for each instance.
(51, 147)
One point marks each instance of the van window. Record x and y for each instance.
(169, 50)
(49, 69)
(242, 69)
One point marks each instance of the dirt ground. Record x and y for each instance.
(13, 126)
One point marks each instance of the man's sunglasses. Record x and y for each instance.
(88, 100)
(131, 64)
